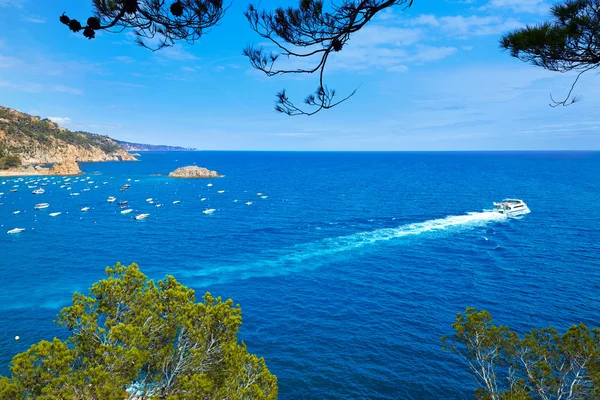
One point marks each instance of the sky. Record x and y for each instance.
(431, 77)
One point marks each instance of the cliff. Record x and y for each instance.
(193, 172)
(27, 140)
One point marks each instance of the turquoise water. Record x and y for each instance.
(348, 273)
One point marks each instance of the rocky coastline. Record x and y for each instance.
(58, 169)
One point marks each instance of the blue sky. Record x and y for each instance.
(431, 78)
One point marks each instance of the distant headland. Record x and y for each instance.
(150, 147)
(30, 144)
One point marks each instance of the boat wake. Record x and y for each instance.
(314, 254)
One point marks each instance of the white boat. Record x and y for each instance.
(16, 212)
(236, 200)
(127, 211)
(264, 197)
(149, 199)
(248, 203)
(176, 202)
(16, 230)
(220, 191)
(159, 205)
(141, 216)
(54, 214)
(512, 207)
(41, 205)
(85, 209)
(74, 194)
(209, 211)
(209, 185)
(13, 190)
(203, 199)
(259, 194)
(112, 199)
(39, 191)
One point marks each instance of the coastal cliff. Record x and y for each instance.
(27, 140)
(193, 172)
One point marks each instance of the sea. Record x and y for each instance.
(349, 266)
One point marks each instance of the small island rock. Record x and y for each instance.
(193, 172)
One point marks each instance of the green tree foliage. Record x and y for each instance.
(10, 162)
(541, 365)
(570, 41)
(309, 32)
(134, 338)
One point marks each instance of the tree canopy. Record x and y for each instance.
(542, 364)
(310, 31)
(569, 42)
(132, 338)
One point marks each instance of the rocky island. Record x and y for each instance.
(29, 143)
(193, 171)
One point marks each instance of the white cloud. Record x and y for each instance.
(12, 3)
(382, 35)
(9, 62)
(464, 27)
(66, 89)
(125, 59)
(60, 120)
(522, 6)
(425, 19)
(33, 87)
(34, 20)
(431, 53)
(176, 53)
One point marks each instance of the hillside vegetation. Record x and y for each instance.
(27, 139)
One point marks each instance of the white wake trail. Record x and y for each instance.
(361, 239)
(314, 254)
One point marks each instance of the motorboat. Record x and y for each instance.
(209, 185)
(127, 211)
(41, 205)
(121, 203)
(203, 199)
(141, 216)
(149, 199)
(85, 209)
(112, 199)
(264, 197)
(176, 202)
(512, 207)
(16, 230)
(16, 212)
(54, 214)
(220, 191)
(209, 211)
(248, 203)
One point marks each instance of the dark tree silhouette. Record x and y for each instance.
(182, 20)
(569, 42)
(309, 32)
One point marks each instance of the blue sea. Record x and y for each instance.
(348, 272)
